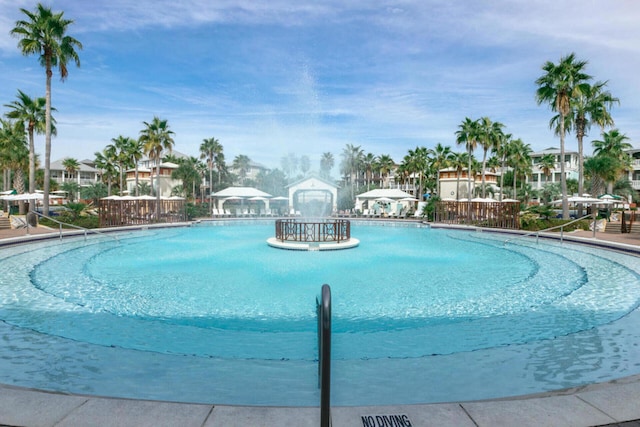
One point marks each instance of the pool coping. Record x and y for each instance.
(593, 404)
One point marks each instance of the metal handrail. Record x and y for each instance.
(324, 355)
(60, 223)
(561, 227)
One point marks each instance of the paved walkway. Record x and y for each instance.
(612, 404)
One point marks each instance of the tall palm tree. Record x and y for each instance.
(593, 106)
(385, 166)
(368, 163)
(14, 153)
(519, 159)
(558, 87)
(209, 149)
(501, 148)
(156, 138)
(72, 166)
(121, 151)
(351, 162)
(416, 163)
(613, 145)
(441, 156)
(490, 134)
(326, 164)
(43, 33)
(467, 135)
(32, 113)
(104, 162)
(242, 163)
(135, 151)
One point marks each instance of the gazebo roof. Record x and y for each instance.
(391, 193)
(243, 192)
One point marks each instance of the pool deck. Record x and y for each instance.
(613, 403)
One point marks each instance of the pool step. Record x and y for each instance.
(5, 224)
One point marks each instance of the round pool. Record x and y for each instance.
(212, 314)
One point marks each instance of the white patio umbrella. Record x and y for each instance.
(409, 199)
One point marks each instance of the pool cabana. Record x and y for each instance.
(242, 195)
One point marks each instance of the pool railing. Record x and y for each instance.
(561, 227)
(323, 307)
(77, 227)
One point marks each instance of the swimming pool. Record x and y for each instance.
(212, 314)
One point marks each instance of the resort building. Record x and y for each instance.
(538, 179)
(634, 172)
(454, 187)
(147, 175)
(251, 174)
(86, 174)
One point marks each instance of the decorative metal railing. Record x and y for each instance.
(337, 230)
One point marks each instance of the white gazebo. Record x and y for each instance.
(383, 194)
(312, 195)
(241, 193)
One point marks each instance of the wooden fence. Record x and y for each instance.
(120, 212)
(482, 214)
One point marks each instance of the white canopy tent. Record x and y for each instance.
(392, 194)
(241, 193)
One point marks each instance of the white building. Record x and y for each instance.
(85, 176)
(538, 179)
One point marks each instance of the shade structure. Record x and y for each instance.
(580, 200)
(408, 199)
(483, 200)
(28, 196)
(242, 192)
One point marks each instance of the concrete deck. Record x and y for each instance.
(613, 404)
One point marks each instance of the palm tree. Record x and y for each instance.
(592, 106)
(105, 163)
(71, 166)
(385, 166)
(32, 113)
(135, 151)
(467, 135)
(188, 174)
(458, 161)
(326, 164)
(416, 163)
(368, 163)
(209, 149)
(156, 138)
(242, 163)
(519, 159)
(441, 156)
(14, 154)
(547, 164)
(558, 87)
(351, 162)
(305, 164)
(501, 148)
(44, 34)
(490, 134)
(613, 145)
(121, 152)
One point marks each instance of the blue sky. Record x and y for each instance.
(269, 78)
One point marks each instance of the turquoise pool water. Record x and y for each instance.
(213, 314)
